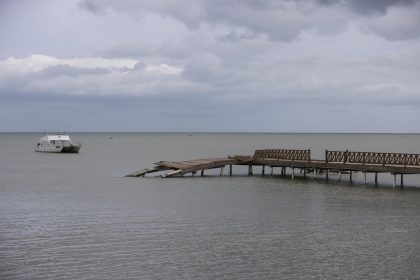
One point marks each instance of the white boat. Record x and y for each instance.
(59, 142)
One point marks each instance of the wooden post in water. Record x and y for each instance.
(326, 174)
(351, 176)
(376, 178)
(365, 177)
(395, 181)
(402, 180)
(339, 176)
(249, 169)
(202, 172)
(263, 170)
(293, 172)
(272, 171)
(230, 169)
(304, 172)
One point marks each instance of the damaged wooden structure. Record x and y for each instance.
(341, 162)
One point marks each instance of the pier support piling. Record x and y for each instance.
(250, 170)
(395, 181)
(336, 161)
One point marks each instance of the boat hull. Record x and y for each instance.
(71, 149)
(67, 149)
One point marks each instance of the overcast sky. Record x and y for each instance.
(210, 65)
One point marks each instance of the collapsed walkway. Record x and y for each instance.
(335, 161)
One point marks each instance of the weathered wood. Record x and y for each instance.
(399, 159)
(304, 155)
(250, 169)
(145, 171)
(402, 180)
(395, 180)
(335, 161)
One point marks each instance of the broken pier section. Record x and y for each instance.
(334, 161)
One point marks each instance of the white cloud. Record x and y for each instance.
(36, 63)
(165, 69)
(41, 74)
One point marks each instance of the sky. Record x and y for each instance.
(210, 65)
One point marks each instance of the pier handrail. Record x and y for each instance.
(283, 154)
(372, 158)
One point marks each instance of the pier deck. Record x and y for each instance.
(335, 161)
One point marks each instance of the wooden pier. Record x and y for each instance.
(341, 162)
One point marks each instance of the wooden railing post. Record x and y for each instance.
(345, 156)
(326, 156)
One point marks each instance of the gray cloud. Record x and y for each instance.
(66, 70)
(278, 20)
(368, 7)
(201, 62)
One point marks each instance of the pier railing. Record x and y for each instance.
(283, 154)
(372, 158)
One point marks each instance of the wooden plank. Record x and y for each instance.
(145, 171)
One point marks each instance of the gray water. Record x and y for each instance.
(66, 216)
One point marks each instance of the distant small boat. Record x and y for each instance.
(59, 142)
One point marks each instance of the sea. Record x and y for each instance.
(75, 216)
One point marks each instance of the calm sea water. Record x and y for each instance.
(65, 216)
